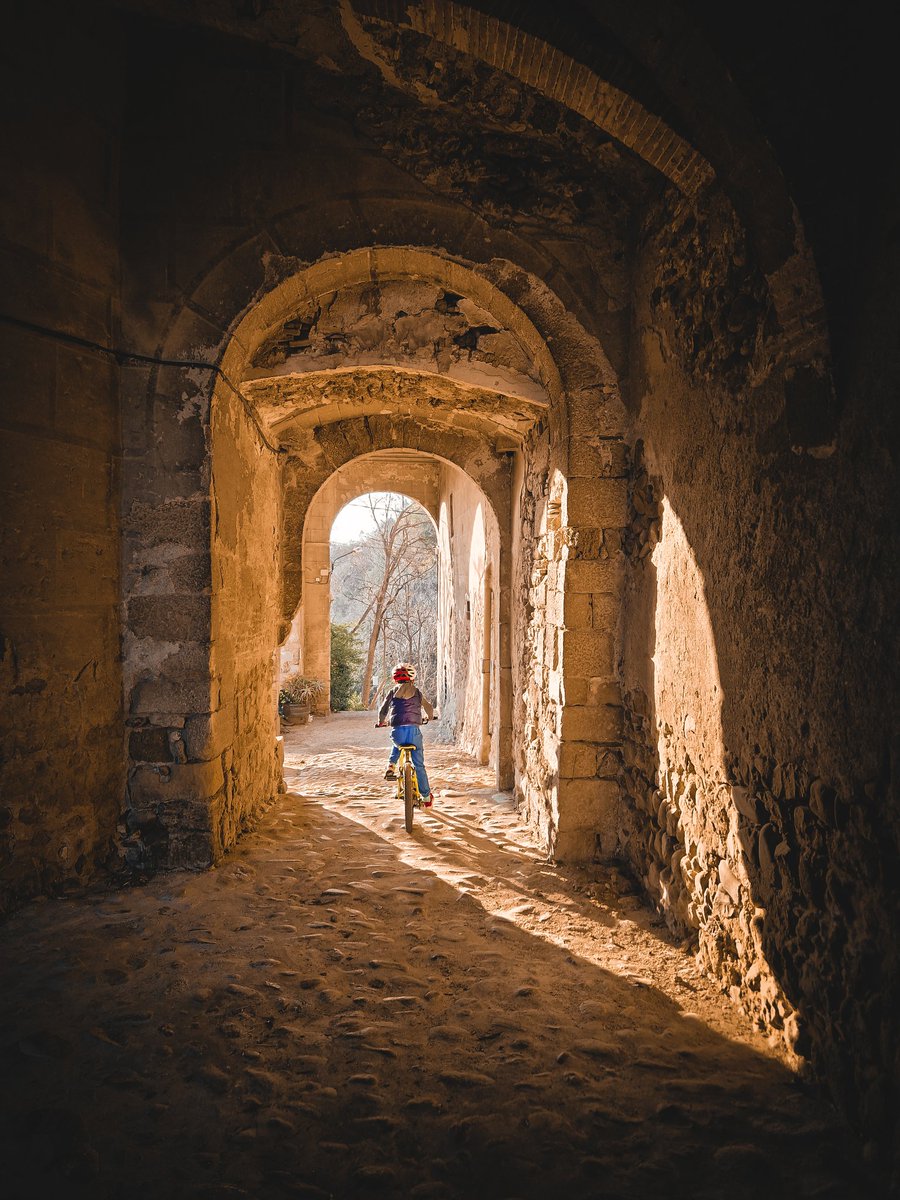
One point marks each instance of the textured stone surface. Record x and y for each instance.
(525, 1020)
(564, 258)
(61, 735)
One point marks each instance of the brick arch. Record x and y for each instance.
(264, 289)
(557, 75)
(233, 281)
(375, 263)
(785, 258)
(573, 367)
(354, 439)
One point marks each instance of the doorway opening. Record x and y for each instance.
(384, 598)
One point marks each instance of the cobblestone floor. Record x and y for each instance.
(341, 1009)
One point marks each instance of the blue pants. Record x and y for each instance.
(411, 735)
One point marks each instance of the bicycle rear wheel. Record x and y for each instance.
(409, 796)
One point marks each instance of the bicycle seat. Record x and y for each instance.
(407, 746)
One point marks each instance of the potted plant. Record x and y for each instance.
(296, 697)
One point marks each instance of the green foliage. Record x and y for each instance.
(298, 689)
(346, 659)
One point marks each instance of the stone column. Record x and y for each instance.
(175, 774)
(317, 604)
(591, 580)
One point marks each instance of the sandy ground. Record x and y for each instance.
(344, 1010)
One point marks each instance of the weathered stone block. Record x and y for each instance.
(163, 695)
(185, 522)
(593, 575)
(599, 502)
(577, 760)
(577, 610)
(193, 832)
(574, 845)
(180, 442)
(149, 745)
(588, 652)
(592, 723)
(586, 803)
(593, 413)
(207, 734)
(190, 572)
(592, 610)
(170, 618)
(151, 786)
(591, 690)
(598, 459)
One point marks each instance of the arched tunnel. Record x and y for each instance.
(583, 284)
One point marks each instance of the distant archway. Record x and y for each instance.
(474, 544)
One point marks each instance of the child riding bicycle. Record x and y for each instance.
(407, 707)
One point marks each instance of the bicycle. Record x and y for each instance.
(408, 786)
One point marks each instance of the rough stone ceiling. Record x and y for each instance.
(483, 138)
(372, 348)
(294, 404)
(571, 171)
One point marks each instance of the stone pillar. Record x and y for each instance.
(317, 606)
(175, 775)
(591, 581)
(198, 658)
(504, 729)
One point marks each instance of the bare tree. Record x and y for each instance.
(410, 630)
(401, 553)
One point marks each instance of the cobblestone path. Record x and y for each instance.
(345, 1010)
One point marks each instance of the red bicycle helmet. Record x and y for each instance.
(404, 673)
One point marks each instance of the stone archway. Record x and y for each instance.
(540, 433)
(547, 54)
(474, 539)
(376, 473)
(554, 420)
(606, 167)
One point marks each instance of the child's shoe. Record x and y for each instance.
(390, 773)
(427, 801)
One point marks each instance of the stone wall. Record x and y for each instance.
(61, 769)
(392, 162)
(570, 556)
(246, 613)
(760, 815)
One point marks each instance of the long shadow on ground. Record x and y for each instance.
(317, 1018)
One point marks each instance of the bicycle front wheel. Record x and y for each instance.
(409, 796)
